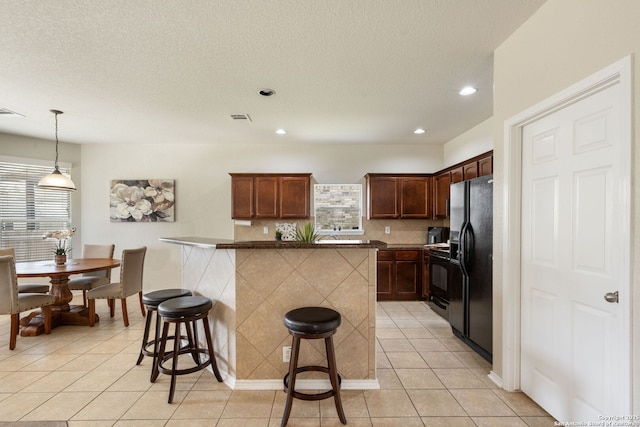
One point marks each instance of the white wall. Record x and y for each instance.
(561, 44)
(473, 142)
(203, 187)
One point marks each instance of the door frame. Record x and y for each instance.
(618, 73)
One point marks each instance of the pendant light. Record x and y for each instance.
(56, 180)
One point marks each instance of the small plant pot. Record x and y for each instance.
(61, 259)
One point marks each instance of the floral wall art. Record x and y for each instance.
(142, 200)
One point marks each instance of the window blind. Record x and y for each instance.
(27, 212)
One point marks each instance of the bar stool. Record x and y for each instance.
(312, 323)
(151, 301)
(187, 310)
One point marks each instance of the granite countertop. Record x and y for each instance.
(212, 243)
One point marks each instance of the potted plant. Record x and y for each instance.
(62, 247)
(278, 235)
(306, 233)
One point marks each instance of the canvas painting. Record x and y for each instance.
(142, 200)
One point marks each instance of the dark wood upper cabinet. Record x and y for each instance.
(399, 196)
(441, 194)
(457, 174)
(470, 170)
(242, 197)
(270, 196)
(294, 197)
(266, 197)
(383, 197)
(485, 166)
(415, 197)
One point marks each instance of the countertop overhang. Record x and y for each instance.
(205, 242)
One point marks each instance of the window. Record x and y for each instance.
(27, 212)
(338, 208)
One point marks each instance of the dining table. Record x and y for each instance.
(61, 313)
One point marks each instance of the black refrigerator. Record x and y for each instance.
(470, 280)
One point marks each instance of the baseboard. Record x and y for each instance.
(495, 379)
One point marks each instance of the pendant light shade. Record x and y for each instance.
(56, 180)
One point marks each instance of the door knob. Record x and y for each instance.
(611, 296)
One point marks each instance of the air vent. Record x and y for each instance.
(8, 113)
(241, 117)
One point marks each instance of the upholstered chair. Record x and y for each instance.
(131, 268)
(95, 278)
(13, 303)
(26, 288)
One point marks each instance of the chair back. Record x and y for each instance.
(98, 251)
(8, 251)
(8, 285)
(131, 268)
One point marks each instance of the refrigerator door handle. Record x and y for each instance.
(469, 247)
(462, 253)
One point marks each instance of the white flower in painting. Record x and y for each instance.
(159, 190)
(129, 201)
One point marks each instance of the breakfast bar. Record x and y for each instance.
(254, 283)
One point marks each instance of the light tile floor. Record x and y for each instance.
(87, 376)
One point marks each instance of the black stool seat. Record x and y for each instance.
(155, 298)
(184, 307)
(312, 320)
(312, 323)
(187, 310)
(152, 300)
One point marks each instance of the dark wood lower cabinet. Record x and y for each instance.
(399, 275)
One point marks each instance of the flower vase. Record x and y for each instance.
(61, 259)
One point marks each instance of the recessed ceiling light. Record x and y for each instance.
(281, 131)
(468, 90)
(419, 131)
(267, 92)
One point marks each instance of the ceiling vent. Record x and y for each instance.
(241, 117)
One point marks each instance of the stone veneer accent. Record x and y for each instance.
(252, 289)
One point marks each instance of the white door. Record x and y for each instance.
(571, 338)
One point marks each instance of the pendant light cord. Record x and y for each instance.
(56, 164)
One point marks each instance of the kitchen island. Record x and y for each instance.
(254, 283)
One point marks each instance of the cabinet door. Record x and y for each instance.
(294, 197)
(485, 166)
(242, 195)
(457, 175)
(383, 197)
(414, 197)
(266, 200)
(441, 196)
(386, 276)
(408, 275)
(470, 170)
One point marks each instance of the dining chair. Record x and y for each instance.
(131, 268)
(13, 303)
(94, 278)
(26, 288)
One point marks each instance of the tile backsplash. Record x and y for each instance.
(401, 231)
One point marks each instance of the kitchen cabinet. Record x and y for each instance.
(441, 185)
(270, 196)
(470, 170)
(399, 275)
(403, 196)
(457, 174)
(485, 166)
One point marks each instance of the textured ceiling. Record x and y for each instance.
(160, 71)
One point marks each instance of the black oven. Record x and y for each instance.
(439, 282)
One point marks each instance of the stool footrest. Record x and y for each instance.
(310, 396)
